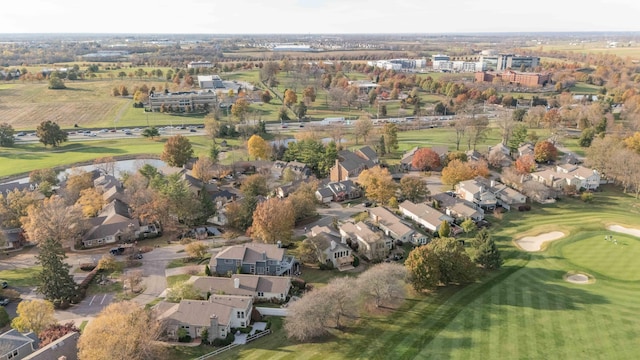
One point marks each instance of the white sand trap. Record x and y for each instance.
(624, 230)
(534, 243)
(577, 278)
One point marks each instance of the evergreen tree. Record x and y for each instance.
(56, 283)
(445, 229)
(207, 270)
(486, 254)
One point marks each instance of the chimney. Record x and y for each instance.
(333, 244)
(236, 283)
(493, 183)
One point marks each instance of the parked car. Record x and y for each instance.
(192, 130)
(4, 301)
(5, 284)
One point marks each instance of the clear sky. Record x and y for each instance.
(318, 16)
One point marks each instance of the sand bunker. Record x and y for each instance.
(624, 230)
(534, 243)
(577, 278)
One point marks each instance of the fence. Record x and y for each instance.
(231, 346)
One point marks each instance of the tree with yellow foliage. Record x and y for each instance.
(91, 202)
(123, 330)
(273, 220)
(33, 315)
(258, 147)
(378, 183)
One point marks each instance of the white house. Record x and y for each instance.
(218, 316)
(332, 248)
(425, 215)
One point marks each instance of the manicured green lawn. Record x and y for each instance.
(601, 258)
(524, 311)
(21, 277)
(26, 157)
(172, 280)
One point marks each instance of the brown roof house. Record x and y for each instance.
(371, 244)
(331, 248)
(350, 164)
(390, 224)
(260, 287)
(218, 316)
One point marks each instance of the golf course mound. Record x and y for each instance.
(578, 278)
(534, 243)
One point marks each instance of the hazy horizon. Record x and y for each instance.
(245, 17)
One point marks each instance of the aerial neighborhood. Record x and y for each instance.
(356, 196)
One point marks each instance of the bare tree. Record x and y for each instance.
(106, 165)
(382, 283)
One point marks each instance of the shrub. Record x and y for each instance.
(586, 197)
(4, 317)
(204, 336)
(183, 336)
(356, 261)
(224, 342)
(11, 294)
(87, 266)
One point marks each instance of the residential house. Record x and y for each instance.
(253, 258)
(390, 224)
(371, 244)
(14, 238)
(477, 193)
(505, 196)
(15, 345)
(105, 182)
(407, 158)
(525, 149)
(350, 164)
(459, 208)
(300, 170)
(568, 175)
(367, 153)
(260, 287)
(324, 195)
(332, 249)
(218, 316)
(284, 190)
(474, 155)
(589, 179)
(112, 225)
(65, 348)
(424, 215)
(338, 191)
(500, 155)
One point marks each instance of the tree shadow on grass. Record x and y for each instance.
(98, 150)
(538, 288)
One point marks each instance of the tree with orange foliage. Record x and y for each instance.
(273, 220)
(290, 97)
(525, 164)
(457, 171)
(545, 151)
(425, 159)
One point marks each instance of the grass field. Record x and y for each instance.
(21, 277)
(27, 157)
(524, 311)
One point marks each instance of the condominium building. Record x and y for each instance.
(182, 101)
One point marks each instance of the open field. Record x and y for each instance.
(27, 157)
(21, 276)
(526, 310)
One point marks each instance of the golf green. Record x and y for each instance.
(604, 253)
